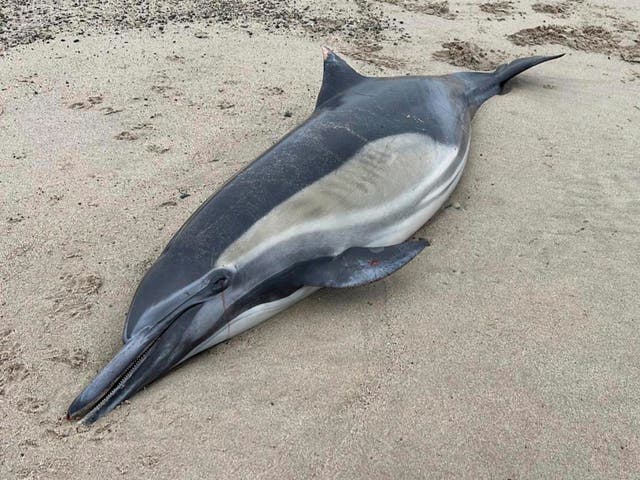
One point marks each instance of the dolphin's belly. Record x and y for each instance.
(380, 196)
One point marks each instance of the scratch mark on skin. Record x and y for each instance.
(224, 309)
(351, 131)
(363, 94)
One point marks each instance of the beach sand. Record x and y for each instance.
(509, 349)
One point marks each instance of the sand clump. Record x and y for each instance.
(558, 9)
(435, 8)
(590, 38)
(438, 9)
(500, 9)
(372, 55)
(468, 55)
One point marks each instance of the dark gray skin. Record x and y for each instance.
(185, 297)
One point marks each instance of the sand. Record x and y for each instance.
(507, 350)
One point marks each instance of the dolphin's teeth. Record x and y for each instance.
(126, 375)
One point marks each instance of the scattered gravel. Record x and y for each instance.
(25, 22)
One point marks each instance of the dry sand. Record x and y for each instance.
(509, 349)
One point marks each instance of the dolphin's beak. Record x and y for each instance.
(145, 357)
(168, 333)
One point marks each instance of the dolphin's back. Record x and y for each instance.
(375, 109)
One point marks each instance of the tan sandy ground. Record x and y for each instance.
(508, 349)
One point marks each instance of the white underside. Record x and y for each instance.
(252, 318)
(380, 197)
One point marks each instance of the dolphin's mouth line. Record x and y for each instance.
(118, 384)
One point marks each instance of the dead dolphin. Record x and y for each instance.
(332, 204)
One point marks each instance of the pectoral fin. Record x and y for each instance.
(359, 266)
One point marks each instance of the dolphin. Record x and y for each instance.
(335, 203)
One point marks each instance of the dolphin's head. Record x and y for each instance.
(177, 311)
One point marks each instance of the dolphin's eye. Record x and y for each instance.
(219, 284)
(220, 281)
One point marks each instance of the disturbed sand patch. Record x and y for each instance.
(368, 26)
(627, 26)
(437, 8)
(499, 9)
(558, 9)
(12, 368)
(589, 38)
(75, 357)
(469, 55)
(75, 298)
(370, 55)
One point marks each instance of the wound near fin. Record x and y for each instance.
(359, 266)
(337, 76)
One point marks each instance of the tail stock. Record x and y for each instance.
(480, 86)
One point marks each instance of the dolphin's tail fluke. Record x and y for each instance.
(506, 72)
(480, 86)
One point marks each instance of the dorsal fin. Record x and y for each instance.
(337, 76)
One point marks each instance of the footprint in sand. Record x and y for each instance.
(273, 90)
(32, 405)
(175, 58)
(74, 298)
(11, 368)
(87, 104)
(126, 136)
(110, 110)
(153, 148)
(75, 358)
